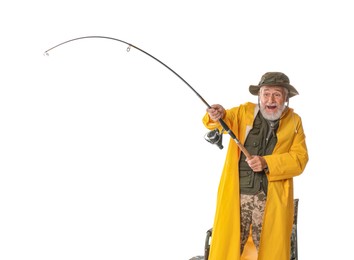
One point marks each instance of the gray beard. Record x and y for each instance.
(273, 116)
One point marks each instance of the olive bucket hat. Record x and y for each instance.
(274, 79)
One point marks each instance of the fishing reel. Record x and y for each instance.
(215, 137)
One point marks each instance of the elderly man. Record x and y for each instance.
(255, 195)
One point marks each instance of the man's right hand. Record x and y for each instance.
(216, 112)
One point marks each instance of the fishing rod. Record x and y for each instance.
(214, 137)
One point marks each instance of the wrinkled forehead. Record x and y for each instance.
(272, 89)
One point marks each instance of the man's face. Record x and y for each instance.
(272, 101)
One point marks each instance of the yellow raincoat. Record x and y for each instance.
(289, 159)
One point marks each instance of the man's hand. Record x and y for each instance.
(257, 163)
(216, 112)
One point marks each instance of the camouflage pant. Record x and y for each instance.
(252, 209)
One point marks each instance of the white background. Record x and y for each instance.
(102, 150)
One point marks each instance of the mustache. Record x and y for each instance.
(271, 105)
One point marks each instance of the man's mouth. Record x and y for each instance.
(271, 107)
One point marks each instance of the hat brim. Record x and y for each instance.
(254, 89)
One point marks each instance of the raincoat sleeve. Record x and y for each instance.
(290, 154)
(230, 118)
(210, 124)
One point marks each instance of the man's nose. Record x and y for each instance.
(271, 98)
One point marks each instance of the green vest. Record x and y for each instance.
(260, 141)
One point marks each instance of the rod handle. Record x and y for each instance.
(233, 136)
